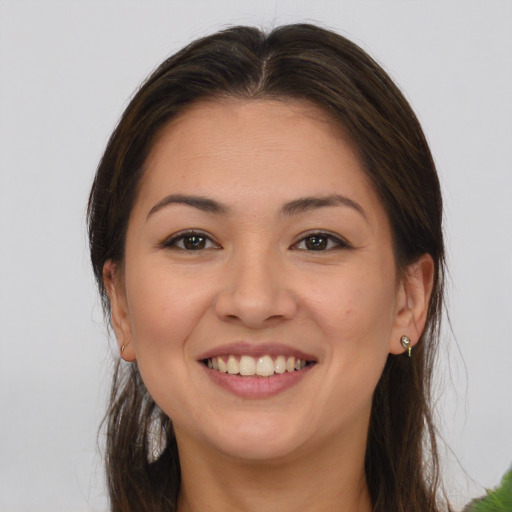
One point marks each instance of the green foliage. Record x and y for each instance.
(497, 500)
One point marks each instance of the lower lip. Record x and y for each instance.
(257, 387)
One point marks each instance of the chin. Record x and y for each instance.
(262, 439)
(258, 449)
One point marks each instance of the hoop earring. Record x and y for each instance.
(122, 349)
(406, 343)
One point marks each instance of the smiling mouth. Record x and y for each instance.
(264, 366)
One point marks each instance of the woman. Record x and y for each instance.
(265, 230)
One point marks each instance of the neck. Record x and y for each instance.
(322, 480)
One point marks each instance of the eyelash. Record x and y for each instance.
(172, 243)
(332, 242)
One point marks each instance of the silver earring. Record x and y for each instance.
(406, 343)
(122, 349)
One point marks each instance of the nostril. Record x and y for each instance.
(255, 309)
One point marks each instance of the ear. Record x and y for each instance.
(114, 285)
(412, 300)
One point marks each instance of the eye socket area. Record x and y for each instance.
(320, 241)
(191, 240)
(194, 240)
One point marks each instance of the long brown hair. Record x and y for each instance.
(311, 64)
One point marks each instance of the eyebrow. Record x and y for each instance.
(294, 207)
(201, 203)
(312, 203)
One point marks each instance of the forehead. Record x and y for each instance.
(246, 115)
(255, 149)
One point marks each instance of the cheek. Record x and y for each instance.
(164, 310)
(356, 318)
(164, 313)
(355, 310)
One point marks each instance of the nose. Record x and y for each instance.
(254, 291)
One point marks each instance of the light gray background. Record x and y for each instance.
(67, 71)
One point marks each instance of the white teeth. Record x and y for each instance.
(247, 365)
(280, 364)
(263, 366)
(233, 367)
(222, 365)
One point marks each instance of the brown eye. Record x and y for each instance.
(190, 242)
(320, 242)
(316, 243)
(194, 242)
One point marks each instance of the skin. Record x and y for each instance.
(257, 280)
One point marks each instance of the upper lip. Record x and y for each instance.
(241, 348)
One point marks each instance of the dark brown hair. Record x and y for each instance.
(306, 63)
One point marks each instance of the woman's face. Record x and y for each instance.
(257, 243)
